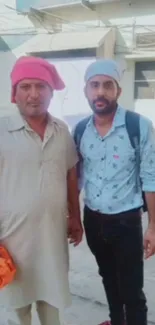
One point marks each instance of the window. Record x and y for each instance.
(145, 80)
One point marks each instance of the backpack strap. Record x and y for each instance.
(132, 121)
(77, 136)
(133, 129)
(79, 130)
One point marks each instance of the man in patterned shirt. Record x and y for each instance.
(112, 212)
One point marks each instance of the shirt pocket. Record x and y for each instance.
(93, 156)
(54, 164)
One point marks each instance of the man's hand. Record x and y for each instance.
(149, 242)
(74, 231)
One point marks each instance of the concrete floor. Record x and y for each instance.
(89, 305)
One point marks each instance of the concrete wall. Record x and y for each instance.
(107, 49)
(125, 17)
(127, 96)
(14, 30)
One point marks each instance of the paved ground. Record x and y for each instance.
(86, 283)
(89, 303)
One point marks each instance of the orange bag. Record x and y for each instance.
(7, 268)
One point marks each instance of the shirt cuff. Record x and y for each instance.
(148, 187)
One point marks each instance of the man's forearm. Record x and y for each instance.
(73, 194)
(150, 200)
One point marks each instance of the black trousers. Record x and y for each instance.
(117, 244)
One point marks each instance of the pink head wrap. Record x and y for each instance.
(29, 67)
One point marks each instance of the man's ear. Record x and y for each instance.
(52, 94)
(85, 91)
(119, 92)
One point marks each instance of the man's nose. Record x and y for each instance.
(34, 92)
(101, 91)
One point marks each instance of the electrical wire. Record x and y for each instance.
(26, 29)
(64, 20)
(19, 31)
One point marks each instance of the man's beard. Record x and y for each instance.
(108, 109)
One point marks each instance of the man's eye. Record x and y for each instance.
(41, 87)
(25, 87)
(109, 85)
(95, 85)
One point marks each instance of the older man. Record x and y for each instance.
(117, 152)
(37, 182)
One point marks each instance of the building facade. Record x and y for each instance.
(73, 33)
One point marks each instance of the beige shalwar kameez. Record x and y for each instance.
(33, 210)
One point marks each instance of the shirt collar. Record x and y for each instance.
(17, 122)
(119, 118)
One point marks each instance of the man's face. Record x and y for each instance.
(102, 93)
(33, 97)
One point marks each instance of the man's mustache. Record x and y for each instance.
(34, 103)
(101, 99)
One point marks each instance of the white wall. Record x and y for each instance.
(127, 83)
(121, 15)
(126, 16)
(11, 24)
(145, 107)
(6, 62)
(71, 101)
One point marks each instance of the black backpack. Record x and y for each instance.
(132, 120)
